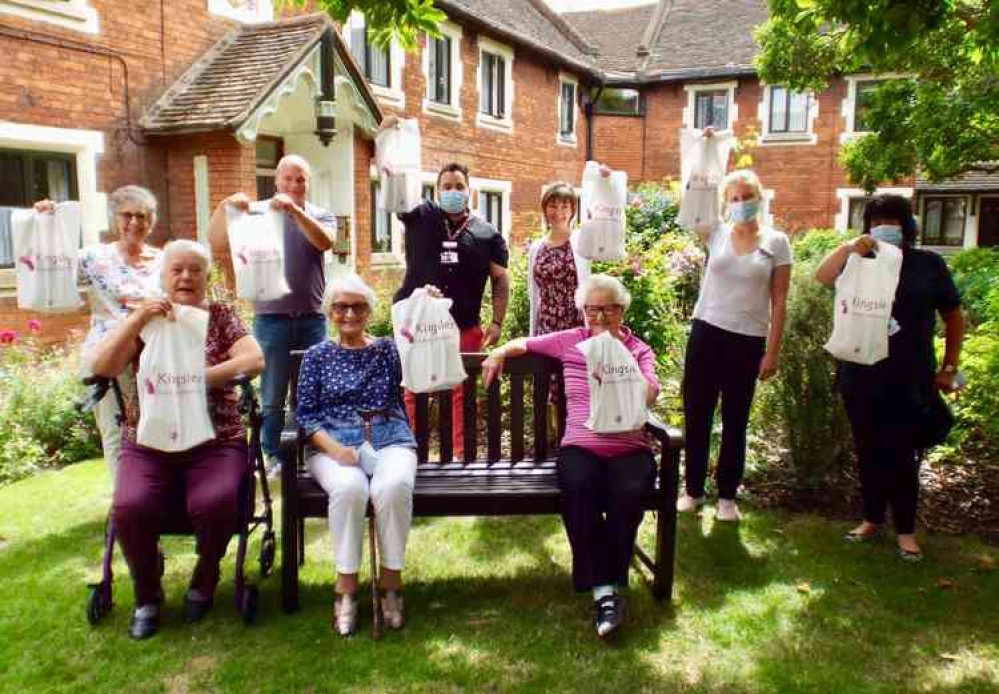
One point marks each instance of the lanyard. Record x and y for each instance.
(451, 236)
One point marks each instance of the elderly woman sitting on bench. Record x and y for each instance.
(603, 477)
(210, 473)
(346, 383)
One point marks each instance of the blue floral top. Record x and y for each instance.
(335, 384)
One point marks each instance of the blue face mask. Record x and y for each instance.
(743, 211)
(454, 201)
(889, 233)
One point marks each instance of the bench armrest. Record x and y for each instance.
(669, 437)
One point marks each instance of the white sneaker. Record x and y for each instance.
(728, 511)
(345, 615)
(392, 611)
(687, 503)
(272, 466)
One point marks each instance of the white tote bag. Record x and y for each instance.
(46, 248)
(397, 157)
(617, 387)
(703, 161)
(256, 240)
(173, 400)
(865, 291)
(429, 343)
(601, 236)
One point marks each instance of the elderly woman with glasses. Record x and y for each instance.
(120, 274)
(209, 473)
(346, 383)
(603, 477)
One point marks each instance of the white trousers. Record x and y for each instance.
(391, 492)
(106, 413)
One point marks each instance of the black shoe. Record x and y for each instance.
(141, 628)
(610, 614)
(194, 610)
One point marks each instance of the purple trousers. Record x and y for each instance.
(149, 482)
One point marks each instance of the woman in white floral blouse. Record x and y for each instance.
(120, 274)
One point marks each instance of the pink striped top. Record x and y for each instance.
(562, 346)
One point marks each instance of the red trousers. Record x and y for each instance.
(471, 341)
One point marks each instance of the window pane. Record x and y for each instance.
(486, 97)
(12, 192)
(429, 191)
(567, 108)
(798, 118)
(932, 221)
(358, 41)
(442, 77)
(778, 110)
(268, 152)
(954, 222)
(701, 111)
(719, 117)
(378, 65)
(623, 101)
(500, 79)
(266, 187)
(865, 91)
(381, 228)
(52, 180)
(857, 206)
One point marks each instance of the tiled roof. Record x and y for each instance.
(971, 181)
(227, 83)
(529, 22)
(685, 38)
(615, 34)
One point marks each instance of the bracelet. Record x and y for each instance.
(497, 324)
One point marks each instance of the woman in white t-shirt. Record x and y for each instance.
(735, 338)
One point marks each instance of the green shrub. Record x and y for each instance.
(976, 273)
(977, 409)
(40, 425)
(799, 413)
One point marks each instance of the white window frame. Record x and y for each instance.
(488, 185)
(450, 111)
(692, 90)
(484, 120)
(87, 146)
(767, 138)
(70, 14)
(769, 194)
(842, 219)
(560, 139)
(202, 197)
(397, 255)
(969, 234)
(848, 109)
(392, 95)
(264, 12)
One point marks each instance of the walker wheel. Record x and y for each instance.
(249, 607)
(268, 548)
(98, 605)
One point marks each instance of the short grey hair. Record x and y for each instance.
(186, 246)
(131, 195)
(606, 283)
(351, 284)
(295, 160)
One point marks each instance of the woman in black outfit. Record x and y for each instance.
(884, 401)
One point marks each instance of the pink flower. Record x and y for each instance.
(637, 201)
(34, 325)
(636, 268)
(7, 337)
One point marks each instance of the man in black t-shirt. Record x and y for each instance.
(456, 251)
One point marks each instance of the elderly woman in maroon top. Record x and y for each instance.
(210, 473)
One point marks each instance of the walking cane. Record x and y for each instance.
(376, 601)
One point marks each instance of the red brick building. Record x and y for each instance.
(199, 98)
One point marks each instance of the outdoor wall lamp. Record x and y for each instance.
(325, 105)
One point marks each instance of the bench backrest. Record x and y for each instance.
(528, 379)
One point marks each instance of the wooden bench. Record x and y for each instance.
(499, 478)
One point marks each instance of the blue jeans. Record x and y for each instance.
(278, 334)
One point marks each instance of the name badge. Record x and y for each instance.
(449, 256)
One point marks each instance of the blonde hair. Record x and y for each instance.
(742, 177)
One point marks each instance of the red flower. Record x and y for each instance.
(7, 337)
(35, 325)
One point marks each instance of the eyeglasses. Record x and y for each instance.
(607, 310)
(341, 309)
(139, 217)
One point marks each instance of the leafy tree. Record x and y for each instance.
(939, 116)
(404, 19)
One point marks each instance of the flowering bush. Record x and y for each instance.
(40, 424)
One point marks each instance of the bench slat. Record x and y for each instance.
(517, 416)
(540, 411)
(494, 420)
(471, 415)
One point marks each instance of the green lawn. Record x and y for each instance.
(778, 604)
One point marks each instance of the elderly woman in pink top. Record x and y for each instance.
(603, 476)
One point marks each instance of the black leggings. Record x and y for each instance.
(725, 364)
(602, 509)
(887, 461)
